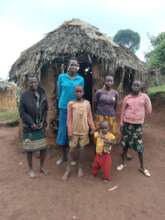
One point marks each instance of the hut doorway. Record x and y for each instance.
(48, 82)
(128, 80)
(86, 72)
(118, 77)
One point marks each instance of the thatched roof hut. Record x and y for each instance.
(8, 96)
(97, 54)
(79, 39)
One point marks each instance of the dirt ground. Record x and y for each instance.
(49, 198)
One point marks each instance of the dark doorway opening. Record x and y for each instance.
(128, 80)
(118, 77)
(86, 72)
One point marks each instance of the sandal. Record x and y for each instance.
(121, 167)
(145, 172)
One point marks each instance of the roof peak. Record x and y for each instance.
(78, 22)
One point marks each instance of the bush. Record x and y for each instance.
(156, 89)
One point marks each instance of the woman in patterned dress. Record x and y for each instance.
(33, 112)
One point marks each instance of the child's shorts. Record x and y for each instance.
(81, 140)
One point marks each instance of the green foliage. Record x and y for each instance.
(155, 41)
(156, 57)
(128, 38)
(156, 89)
(9, 116)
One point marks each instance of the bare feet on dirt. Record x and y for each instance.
(66, 175)
(80, 172)
(43, 171)
(32, 174)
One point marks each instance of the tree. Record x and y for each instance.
(156, 57)
(128, 38)
(155, 41)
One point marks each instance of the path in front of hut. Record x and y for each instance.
(49, 198)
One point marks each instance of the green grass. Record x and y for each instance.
(9, 116)
(156, 89)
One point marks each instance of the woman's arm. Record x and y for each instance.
(58, 87)
(82, 83)
(123, 111)
(70, 119)
(90, 118)
(45, 113)
(26, 118)
(148, 105)
(95, 101)
(116, 101)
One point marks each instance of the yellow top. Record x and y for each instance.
(101, 146)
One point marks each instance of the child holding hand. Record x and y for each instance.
(104, 140)
(79, 122)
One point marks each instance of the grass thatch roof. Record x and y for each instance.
(73, 37)
(5, 85)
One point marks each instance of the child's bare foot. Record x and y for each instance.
(66, 175)
(129, 157)
(73, 163)
(61, 161)
(107, 179)
(32, 174)
(43, 171)
(80, 172)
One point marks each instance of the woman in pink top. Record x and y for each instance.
(134, 108)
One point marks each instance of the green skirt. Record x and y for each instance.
(34, 141)
(132, 137)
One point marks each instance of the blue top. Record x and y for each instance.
(66, 88)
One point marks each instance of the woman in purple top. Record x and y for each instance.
(105, 104)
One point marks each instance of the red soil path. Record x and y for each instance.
(49, 198)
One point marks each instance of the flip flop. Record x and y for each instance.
(145, 172)
(121, 167)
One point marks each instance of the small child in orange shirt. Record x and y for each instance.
(104, 140)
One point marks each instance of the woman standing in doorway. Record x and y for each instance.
(66, 84)
(33, 112)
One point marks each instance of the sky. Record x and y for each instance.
(23, 23)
